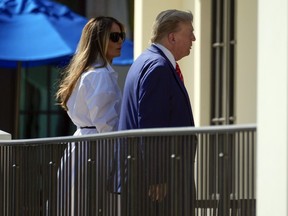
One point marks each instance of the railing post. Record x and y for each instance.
(224, 175)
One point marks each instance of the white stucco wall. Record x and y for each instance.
(144, 16)
(272, 108)
(246, 62)
(199, 61)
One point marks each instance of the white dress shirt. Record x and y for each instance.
(96, 101)
(167, 53)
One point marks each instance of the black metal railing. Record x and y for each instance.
(169, 171)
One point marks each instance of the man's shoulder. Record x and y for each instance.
(150, 56)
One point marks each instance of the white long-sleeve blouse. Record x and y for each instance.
(96, 101)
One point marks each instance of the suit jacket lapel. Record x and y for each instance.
(155, 49)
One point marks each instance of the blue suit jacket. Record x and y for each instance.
(154, 96)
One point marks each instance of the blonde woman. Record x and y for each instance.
(89, 91)
(90, 94)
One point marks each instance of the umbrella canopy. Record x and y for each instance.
(39, 32)
(127, 54)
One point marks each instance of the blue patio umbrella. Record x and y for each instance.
(127, 54)
(40, 32)
(37, 32)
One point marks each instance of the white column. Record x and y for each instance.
(144, 15)
(196, 67)
(272, 119)
(246, 62)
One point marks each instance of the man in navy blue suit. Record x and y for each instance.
(155, 96)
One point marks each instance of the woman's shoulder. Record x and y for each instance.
(96, 74)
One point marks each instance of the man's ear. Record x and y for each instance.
(171, 38)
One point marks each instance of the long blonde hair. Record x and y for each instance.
(92, 46)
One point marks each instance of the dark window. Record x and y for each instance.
(40, 116)
(222, 97)
(222, 65)
(76, 6)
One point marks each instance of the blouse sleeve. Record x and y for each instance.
(103, 102)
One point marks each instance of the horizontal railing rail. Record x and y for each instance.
(167, 171)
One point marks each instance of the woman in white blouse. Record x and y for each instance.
(91, 96)
(89, 91)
